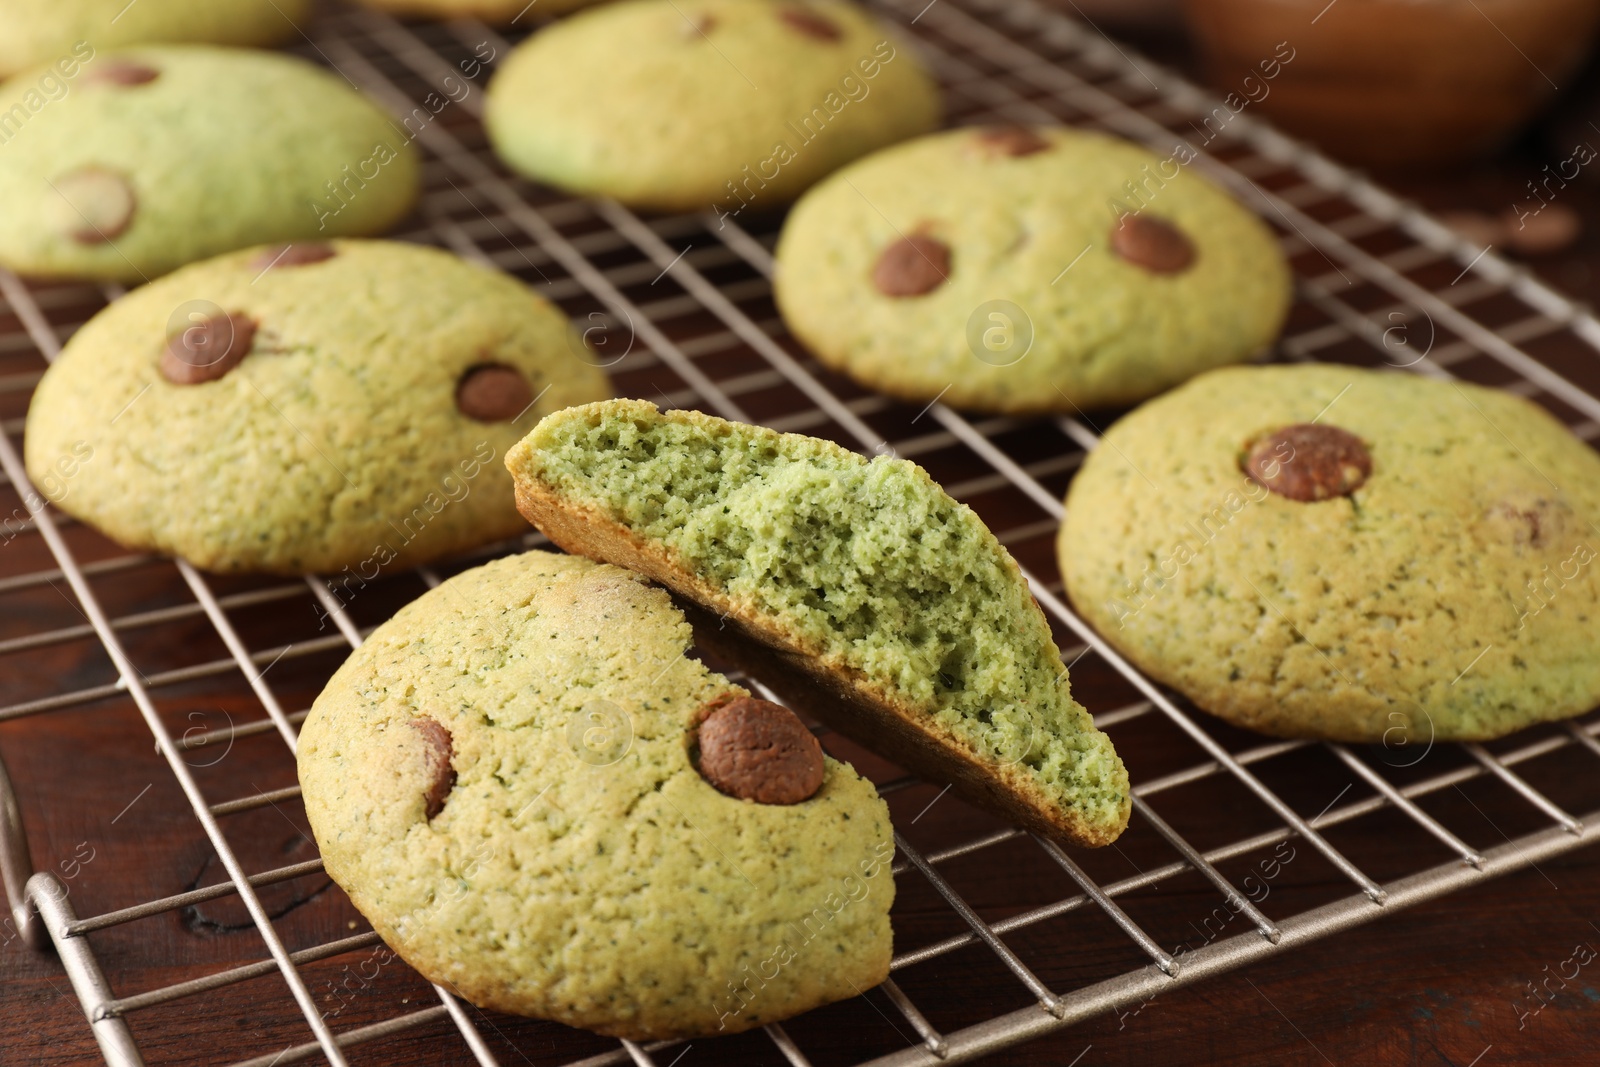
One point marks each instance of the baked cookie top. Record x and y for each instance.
(887, 608)
(304, 408)
(48, 31)
(719, 104)
(506, 780)
(1024, 269)
(1407, 559)
(160, 156)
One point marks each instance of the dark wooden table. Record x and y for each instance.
(1436, 985)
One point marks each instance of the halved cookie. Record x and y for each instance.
(888, 609)
(542, 802)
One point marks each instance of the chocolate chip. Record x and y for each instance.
(207, 349)
(757, 750)
(1309, 461)
(437, 761)
(295, 255)
(493, 392)
(1529, 520)
(810, 23)
(1012, 141)
(99, 204)
(697, 26)
(121, 72)
(1151, 243)
(912, 266)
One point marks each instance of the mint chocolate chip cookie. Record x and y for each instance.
(720, 105)
(301, 408)
(160, 156)
(868, 596)
(58, 32)
(542, 802)
(1026, 269)
(1323, 551)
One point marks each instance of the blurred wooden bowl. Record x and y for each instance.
(1395, 82)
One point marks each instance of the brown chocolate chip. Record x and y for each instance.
(98, 204)
(493, 392)
(1309, 461)
(1528, 520)
(810, 23)
(437, 761)
(207, 349)
(1151, 243)
(121, 72)
(912, 266)
(697, 26)
(757, 750)
(295, 255)
(1011, 141)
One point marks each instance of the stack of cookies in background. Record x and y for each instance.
(1306, 551)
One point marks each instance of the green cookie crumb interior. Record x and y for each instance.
(869, 562)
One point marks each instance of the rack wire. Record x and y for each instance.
(1372, 272)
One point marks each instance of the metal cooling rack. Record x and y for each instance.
(1372, 271)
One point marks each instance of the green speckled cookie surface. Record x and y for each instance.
(579, 868)
(1030, 308)
(707, 105)
(337, 442)
(44, 31)
(1453, 595)
(159, 156)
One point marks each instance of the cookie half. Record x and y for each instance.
(1323, 551)
(509, 779)
(311, 407)
(159, 156)
(1026, 269)
(721, 105)
(890, 610)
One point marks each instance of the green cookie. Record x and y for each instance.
(156, 157)
(506, 780)
(1429, 575)
(705, 104)
(346, 407)
(69, 31)
(1026, 270)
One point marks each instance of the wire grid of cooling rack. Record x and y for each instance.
(1367, 266)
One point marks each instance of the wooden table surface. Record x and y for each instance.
(1442, 984)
